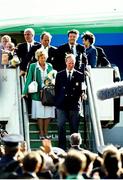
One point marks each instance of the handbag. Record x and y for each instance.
(48, 95)
(33, 86)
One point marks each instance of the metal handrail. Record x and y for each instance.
(19, 102)
(25, 117)
(94, 111)
(93, 117)
(23, 113)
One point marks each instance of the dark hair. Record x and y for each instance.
(88, 36)
(73, 163)
(45, 33)
(74, 31)
(30, 161)
(111, 159)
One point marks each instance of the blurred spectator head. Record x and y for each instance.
(75, 139)
(12, 143)
(75, 162)
(32, 162)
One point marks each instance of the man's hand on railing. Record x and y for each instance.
(24, 95)
(22, 73)
(87, 73)
(84, 96)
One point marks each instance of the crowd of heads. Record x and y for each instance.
(54, 163)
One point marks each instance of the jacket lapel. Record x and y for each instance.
(38, 74)
(68, 48)
(38, 77)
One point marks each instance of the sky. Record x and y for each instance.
(58, 8)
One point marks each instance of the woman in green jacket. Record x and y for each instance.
(40, 72)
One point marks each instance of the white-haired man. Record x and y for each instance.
(24, 48)
(76, 141)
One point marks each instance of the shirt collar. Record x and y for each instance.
(32, 43)
(72, 45)
(28, 45)
(69, 71)
(38, 66)
(44, 47)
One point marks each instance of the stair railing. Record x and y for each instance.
(99, 140)
(25, 115)
(19, 102)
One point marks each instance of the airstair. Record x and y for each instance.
(100, 124)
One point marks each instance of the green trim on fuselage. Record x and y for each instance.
(107, 26)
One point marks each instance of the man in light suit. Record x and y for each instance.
(68, 90)
(71, 47)
(24, 48)
(45, 40)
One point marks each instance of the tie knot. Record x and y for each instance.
(72, 47)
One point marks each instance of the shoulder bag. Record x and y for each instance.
(33, 86)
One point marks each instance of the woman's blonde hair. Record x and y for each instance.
(39, 53)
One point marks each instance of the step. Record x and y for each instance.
(34, 126)
(35, 142)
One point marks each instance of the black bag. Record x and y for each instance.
(48, 95)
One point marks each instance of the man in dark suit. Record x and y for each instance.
(102, 60)
(45, 40)
(24, 48)
(22, 51)
(68, 90)
(71, 47)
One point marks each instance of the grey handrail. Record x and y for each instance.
(19, 102)
(93, 116)
(25, 117)
(94, 111)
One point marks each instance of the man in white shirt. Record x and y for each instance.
(45, 40)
